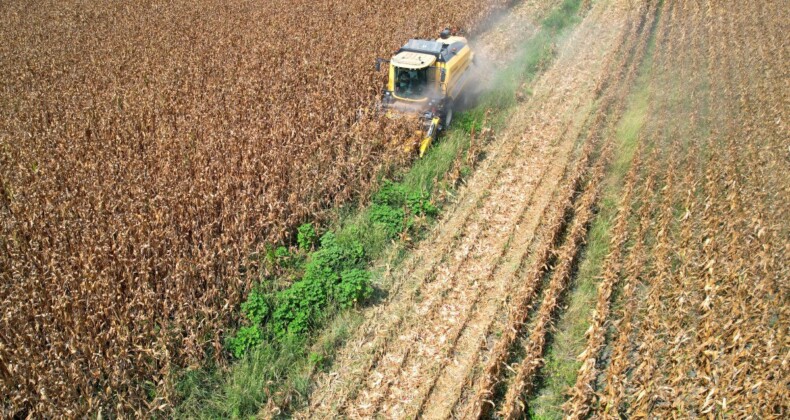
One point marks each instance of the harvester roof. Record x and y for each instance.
(424, 46)
(443, 49)
(413, 60)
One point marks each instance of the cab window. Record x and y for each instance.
(411, 83)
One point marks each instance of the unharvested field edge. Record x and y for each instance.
(568, 341)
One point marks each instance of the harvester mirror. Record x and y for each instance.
(378, 63)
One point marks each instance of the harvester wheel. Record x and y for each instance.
(448, 118)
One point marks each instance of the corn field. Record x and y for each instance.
(691, 317)
(148, 150)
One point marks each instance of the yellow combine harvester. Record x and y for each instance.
(427, 78)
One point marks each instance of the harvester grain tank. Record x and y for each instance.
(427, 78)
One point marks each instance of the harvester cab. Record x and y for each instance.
(427, 79)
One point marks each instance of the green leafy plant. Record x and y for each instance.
(281, 253)
(276, 258)
(419, 203)
(354, 288)
(390, 194)
(284, 258)
(298, 307)
(244, 338)
(306, 237)
(301, 305)
(317, 359)
(256, 308)
(471, 120)
(393, 219)
(339, 254)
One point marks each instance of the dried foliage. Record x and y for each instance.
(556, 224)
(702, 330)
(714, 336)
(635, 40)
(147, 149)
